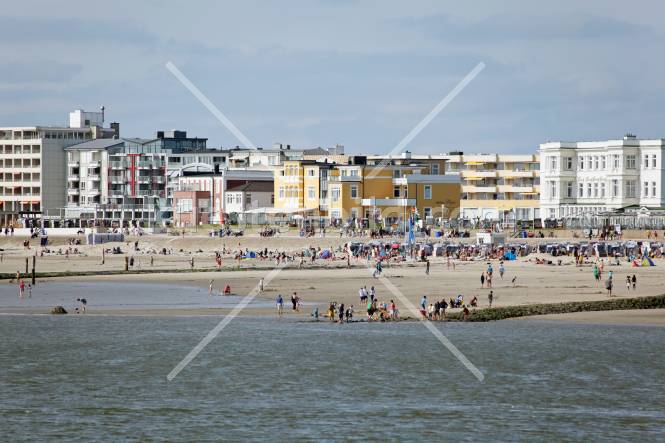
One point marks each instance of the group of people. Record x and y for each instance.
(296, 301)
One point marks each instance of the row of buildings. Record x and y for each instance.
(86, 174)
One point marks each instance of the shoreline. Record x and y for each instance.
(647, 311)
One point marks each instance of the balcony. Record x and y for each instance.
(144, 179)
(73, 164)
(73, 178)
(344, 178)
(117, 180)
(517, 174)
(94, 164)
(478, 189)
(116, 193)
(510, 188)
(73, 191)
(94, 178)
(471, 173)
(118, 165)
(388, 202)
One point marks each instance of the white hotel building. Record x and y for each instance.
(585, 178)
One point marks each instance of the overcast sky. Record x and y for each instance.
(357, 73)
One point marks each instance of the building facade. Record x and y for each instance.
(375, 189)
(497, 187)
(130, 181)
(33, 167)
(586, 178)
(203, 196)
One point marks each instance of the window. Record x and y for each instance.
(553, 163)
(630, 161)
(395, 191)
(354, 191)
(615, 188)
(397, 173)
(580, 190)
(434, 169)
(602, 189)
(646, 189)
(310, 192)
(569, 163)
(653, 189)
(596, 162)
(281, 192)
(310, 172)
(569, 189)
(353, 173)
(595, 190)
(185, 205)
(616, 161)
(646, 161)
(553, 189)
(428, 192)
(427, 212)
(588, 190)
(631, 188)
(334, 194)
(581, 163)
(653, 161)
(603, 162)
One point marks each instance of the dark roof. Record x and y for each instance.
(315, 151)
(98, 143)
(253, 187)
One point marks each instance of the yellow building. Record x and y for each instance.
(365, 188)
(497, 187)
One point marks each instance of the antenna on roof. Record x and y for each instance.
(102, 109)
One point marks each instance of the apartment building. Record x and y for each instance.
(366, 189)
(33, 169)
(586, 178)
(130, 181)
(497, 187)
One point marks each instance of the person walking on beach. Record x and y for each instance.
(423, 303)
(502, 270)
(294, 301)
(372, 293)
(514, 281)
(628, 283)
(261, 285)
(608, 285)
(634, 281)
(378, 269)
(427, 267)
(482, 280)
(596, 274)
(490, 298)
(210, 287)
(280, 305)
(21, 288)
(341, 313)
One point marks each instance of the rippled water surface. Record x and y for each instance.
(104, 378)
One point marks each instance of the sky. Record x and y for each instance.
(358, 73)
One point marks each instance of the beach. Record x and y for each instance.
(317, 283)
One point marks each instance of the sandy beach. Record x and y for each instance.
(325, 280)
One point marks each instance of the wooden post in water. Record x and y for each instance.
(103, 256)
(26, 266)
(126, 263)
(192, 264)
(34, 265)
